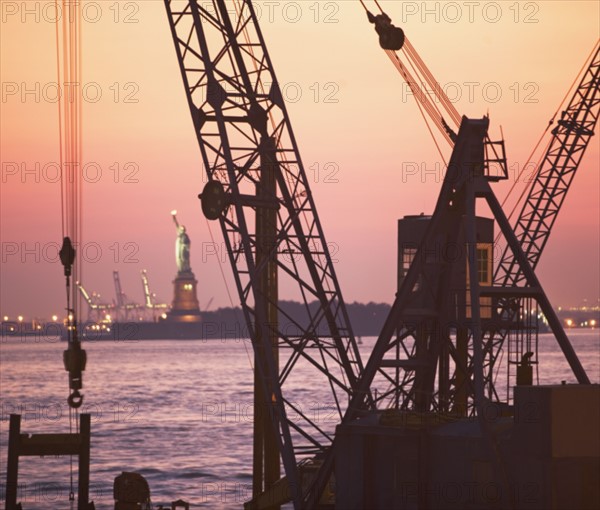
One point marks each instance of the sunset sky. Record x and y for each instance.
(347, 104)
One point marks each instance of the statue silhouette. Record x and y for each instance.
(182, 247)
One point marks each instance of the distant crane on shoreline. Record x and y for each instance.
(96, 310)
(123, 309)
(150, 298)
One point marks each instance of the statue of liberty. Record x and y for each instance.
(182, 247)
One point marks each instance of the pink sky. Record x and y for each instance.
(529, 51)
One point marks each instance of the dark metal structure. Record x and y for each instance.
(429, 357)
(438, 347)
(570, 138)
(258, 190)
(434, 313)
(515, 332)
(36, 445)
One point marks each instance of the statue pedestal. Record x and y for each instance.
(185, 307)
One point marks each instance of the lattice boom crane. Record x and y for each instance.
(259, 192)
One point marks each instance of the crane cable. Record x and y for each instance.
(420, 104)
(427, 106)
(415, 60)
(68, 71)
(233, 307)
(423, 101)
(433, 83)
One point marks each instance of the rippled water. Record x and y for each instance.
(179, 412)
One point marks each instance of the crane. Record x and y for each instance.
(553, 178)
(95, 308)
(259, 192)
(150, 298)
(123, 305)
(431, 354)
(118, 291)
(421, 359)
(540, 208)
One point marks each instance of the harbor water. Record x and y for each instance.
(178, 412)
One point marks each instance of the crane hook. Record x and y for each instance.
(74, 359)
(75, 399)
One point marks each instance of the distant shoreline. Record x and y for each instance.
(228, 323)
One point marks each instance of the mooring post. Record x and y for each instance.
(84, 463)
(39, 445)
(12, 470)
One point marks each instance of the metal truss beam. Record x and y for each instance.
(240, 119)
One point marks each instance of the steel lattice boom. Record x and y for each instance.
(428, 362)
(570, 139)
(269, 220)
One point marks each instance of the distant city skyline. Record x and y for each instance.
(23, 317)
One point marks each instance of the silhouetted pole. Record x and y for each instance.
(266, 465)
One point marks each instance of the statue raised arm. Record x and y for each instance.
(182, 247)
